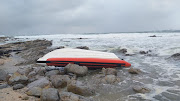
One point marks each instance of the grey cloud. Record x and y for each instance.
(85, 16)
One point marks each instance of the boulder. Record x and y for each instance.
(52, 72)
(34, 91)
(3, 75)
(18, 86)
(59, 81)
(79, 88)
(17, 78)
(76, 69)
(141, 89)
(25, 98)
(68, 96)
(134, 71)
(109, 71)
(110, 79)
(4, 85)
(41, 82)
(83, 47)
(50, 94)
(25, 70)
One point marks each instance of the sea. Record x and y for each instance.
(160, 72)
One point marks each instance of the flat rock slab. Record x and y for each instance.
(42, 82)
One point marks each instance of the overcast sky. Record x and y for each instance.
(87, 16)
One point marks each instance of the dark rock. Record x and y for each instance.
(17, 78)
(153, 36)
(60, 47)
(134, 71)
(143, 52)
(124, 50)
(76, 69)
(59, 81)
(41, 82)
(52, 72)
(68, 96)
(79, 88)
(4, 85)
(109, 71)
(176, 56)
(34, 91)
(50, 94)
(83, 47)
(141, 89)
(18, 86)
(3, 75)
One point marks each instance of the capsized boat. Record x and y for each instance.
(89, 58)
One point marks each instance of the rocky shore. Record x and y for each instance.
(22, 79)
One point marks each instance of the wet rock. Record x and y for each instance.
(143, 52)
(79, 88)
(60, 47)
(52, 72)
(110, 79)
(68, 96)
(34, 91)
(41, 82)
(17, 78)
(124, 50)
(76, 69)
(83, 47)
(59, 81)
(171, 96)
(4, 85)
(25, 70)
(109, 71)
(3, 75)
(153, 36)
(18, 86)
(176, 56)
(134, 71)
(141, 89)
(50, 94)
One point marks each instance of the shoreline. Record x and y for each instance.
(101, 80)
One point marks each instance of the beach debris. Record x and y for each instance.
(41, 82)
(17, 78)
(76, 69)
(68, 96)
(59, 81)
(3, 75)
(50, 94)
(141, 89)
(153, 36)
(18, 86)
(83, 47)
(34, 91)
(109, 71)
(134, 71)
(79, 88)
